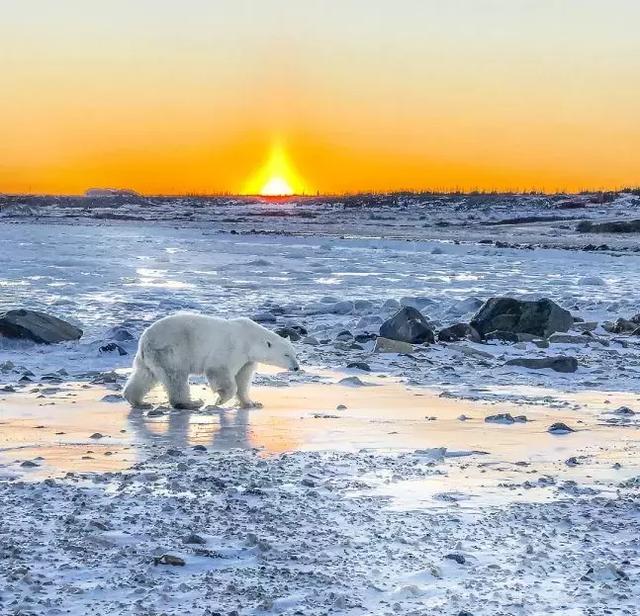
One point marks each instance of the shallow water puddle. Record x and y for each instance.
(83, 433)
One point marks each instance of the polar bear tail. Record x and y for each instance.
(140, 382)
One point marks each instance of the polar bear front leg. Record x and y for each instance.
(243, 382)
(222, 383)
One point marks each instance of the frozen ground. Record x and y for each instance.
(301, 508)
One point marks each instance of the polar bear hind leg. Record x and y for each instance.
(140, 383)
(222, 383)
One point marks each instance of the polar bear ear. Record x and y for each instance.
(268, 344)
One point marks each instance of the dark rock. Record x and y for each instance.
(169, 559)
(112, 347)
(561, 363)
(408, 325)
(37, 326)
(505, 418)
(459, 558)
(458, 331)
(623, 326)
(288, 332)
(539, 318)
(194, 539)
(559, 428)
(614, 226)
(360, 365)
(199, 448)
(365, 337)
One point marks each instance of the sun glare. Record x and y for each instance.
(276, 187)
(277, 178)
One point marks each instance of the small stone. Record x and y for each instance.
(97, 435)
(459, 558)
(169, 559)
(359, 365)
(559, 428)
(194, 539)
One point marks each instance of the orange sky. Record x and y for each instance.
(336, 95)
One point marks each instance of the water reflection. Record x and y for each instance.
(181, 428)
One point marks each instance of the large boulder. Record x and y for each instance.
(538, 318)
(408, 325)
(561, 363)
(37, 326)
(459, 331)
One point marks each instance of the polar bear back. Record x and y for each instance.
(196, 343)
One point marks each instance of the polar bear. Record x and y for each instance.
(225, 351)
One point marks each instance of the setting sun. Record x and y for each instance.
(276, 178)
(276, 187)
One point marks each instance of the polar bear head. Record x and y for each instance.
(269, 348)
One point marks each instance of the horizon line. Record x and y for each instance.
(319, 194)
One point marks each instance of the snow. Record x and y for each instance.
(335, 497)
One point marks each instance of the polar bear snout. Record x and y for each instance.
(293, 363)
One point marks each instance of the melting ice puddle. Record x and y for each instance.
(305, 417)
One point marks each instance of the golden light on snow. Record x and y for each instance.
(277, 178)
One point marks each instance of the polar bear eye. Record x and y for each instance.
(268, 344)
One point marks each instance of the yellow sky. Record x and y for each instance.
(336, 95)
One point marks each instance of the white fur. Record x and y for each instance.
(225, 351)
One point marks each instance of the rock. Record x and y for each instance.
(572, 461)
(614, 226)
(559, 428)
(625, 411)
(470, 351)
(568, 339)
(169, 559)
(345, 307)
(264, 317)
(7, 366)
(391, 304)
(37, 326)
(359, 365)
(112, 347)
(459, 331)
(353, 381)
(586, 326)
(604, 573)
(459, 558)
(408, 325)
(502, 336)
(505, 418)
(385, 345)
(344, 335)
(365, 337)
(199, 448)
(560, 363)
(288, 332)
(112, 398)
(593, 281)
(192, 538)
(28, 464)
(341, 407)
(539, 318)
(311, 340)
(623, 326)
(416, 302)
(119, 334)
(465, 306)
(97, 435)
